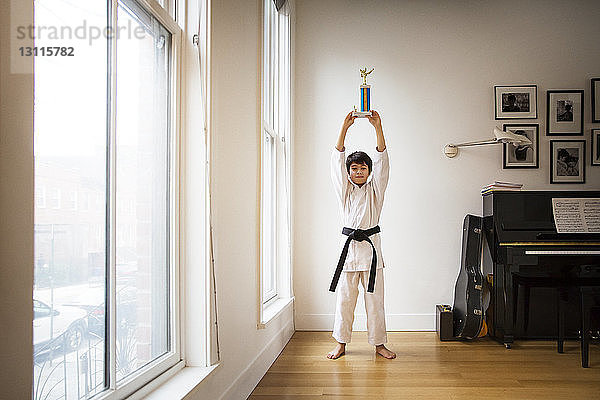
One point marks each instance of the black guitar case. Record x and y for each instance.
(468, 299)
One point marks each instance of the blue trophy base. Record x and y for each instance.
(361, 114)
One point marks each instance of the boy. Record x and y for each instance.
(361, 201)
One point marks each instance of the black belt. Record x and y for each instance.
(358, 235)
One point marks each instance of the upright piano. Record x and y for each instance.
(521, 238)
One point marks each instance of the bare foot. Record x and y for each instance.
(337, 352)
(382, 351)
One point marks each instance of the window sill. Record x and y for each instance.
(273, 310)
(181, 384)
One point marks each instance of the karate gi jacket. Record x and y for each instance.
(360, 207)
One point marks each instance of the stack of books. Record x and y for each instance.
(500, 186)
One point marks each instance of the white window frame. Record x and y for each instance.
(40, 192)
(73, 198)
(55, 196)
(275, 249)
(132, 387)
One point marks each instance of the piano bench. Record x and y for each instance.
(527, 282)
(560, 282)
(587, 295)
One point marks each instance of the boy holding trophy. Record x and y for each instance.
(360, 200)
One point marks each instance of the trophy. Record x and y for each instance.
(365, 96)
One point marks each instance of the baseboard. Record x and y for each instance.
(245, 383)
(394, 322)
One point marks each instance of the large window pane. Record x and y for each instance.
(272, 97)
(142, 197)
(276, 126)
(71, 314)
(269, 288)
(70, 209)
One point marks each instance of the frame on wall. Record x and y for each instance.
(567, 161)
(564, 113)
(515, 102)
(595, 99)
(522, 156)
(595, 153)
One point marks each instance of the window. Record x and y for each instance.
(72, 203)
(55, 198)
(105, 295)
(40, 196)
(275, 131)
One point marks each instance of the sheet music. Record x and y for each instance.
(576, 215)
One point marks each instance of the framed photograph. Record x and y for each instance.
(595, 146)
(567, 161)
(516, 102)
(596, 100)
(522, 156)
(564, 115)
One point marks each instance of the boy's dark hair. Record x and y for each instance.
(359, 157)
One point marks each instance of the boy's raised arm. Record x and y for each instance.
(381, 166)
(339, 174)
(375, 120)
(348, 121)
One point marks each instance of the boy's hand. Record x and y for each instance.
(348, 121)
(375, 119)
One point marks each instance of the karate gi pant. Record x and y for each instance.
(347, 294)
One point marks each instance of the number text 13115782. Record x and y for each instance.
(47, 51)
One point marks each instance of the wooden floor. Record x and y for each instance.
(429, 369)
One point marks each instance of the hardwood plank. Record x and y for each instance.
(288, 390)
(429, 369)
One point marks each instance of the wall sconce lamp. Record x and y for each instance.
(451, 150)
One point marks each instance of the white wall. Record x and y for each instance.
(246, 352)
(436, 63)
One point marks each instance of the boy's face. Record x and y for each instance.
(359, 173)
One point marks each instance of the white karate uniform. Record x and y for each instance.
(360, 208)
